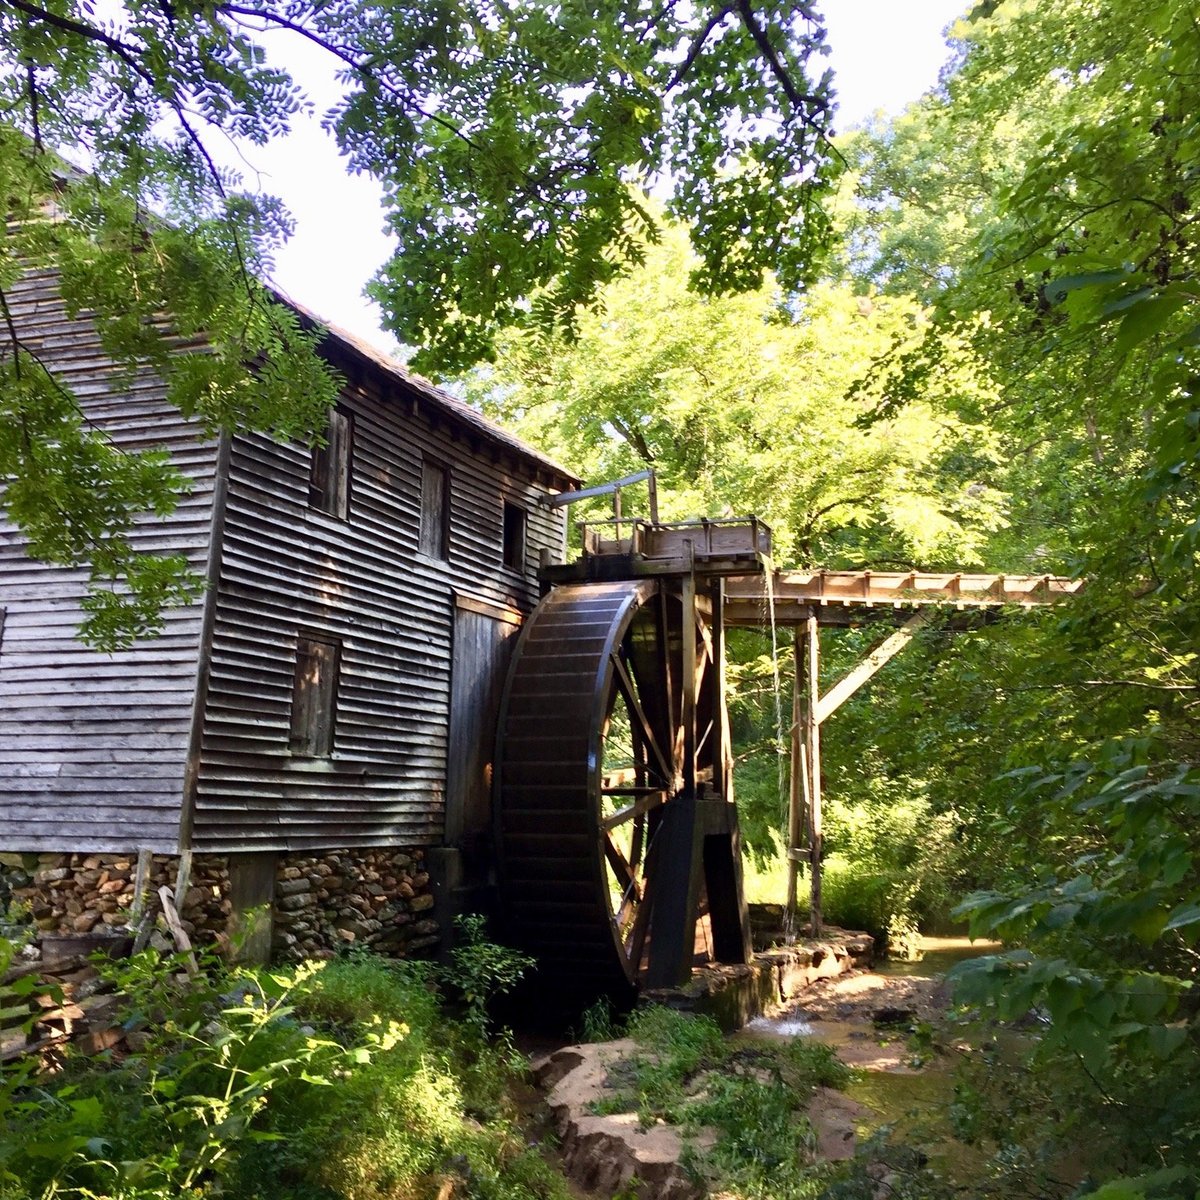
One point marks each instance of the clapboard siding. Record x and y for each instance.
(288, 570)
(93, 747)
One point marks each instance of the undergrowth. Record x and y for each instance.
(741, 1109)
(337, 1081)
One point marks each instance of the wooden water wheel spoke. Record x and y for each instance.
(643, 730)
(651, 798)
(635, 946)
(666, 670)
(620, 865)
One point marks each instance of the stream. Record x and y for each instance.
(904, 1079)
(889, 1024)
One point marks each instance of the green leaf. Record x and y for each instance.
(1059, 289)
(1148, 318)
(1184, 916)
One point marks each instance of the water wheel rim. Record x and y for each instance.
(552, 806)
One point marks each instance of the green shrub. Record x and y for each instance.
(763, 1137)
(337, 1081)
(353, 990)
(480, 970)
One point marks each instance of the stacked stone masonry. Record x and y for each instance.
(335, 898)
(323, 901)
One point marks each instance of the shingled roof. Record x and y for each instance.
(454, 410)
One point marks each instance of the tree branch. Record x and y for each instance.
(12, 334)
(359, 67)
(801, 101)
(698, 45)
(126, 52)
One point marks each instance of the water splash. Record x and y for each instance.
(782, 1026)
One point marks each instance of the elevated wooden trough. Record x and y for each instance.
(849, 597)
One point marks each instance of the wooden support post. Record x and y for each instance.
(141, 886)
(688, 680)
(796, 787)
(677, 870)
(812, 730)
(722, 752)
(183, 878)
(727, 909)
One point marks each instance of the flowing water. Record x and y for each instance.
(898, 1081)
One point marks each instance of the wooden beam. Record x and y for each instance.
(849, 683)
(812, 729)
(689, 683)
(722, 752)
(846, 597)
(797, 787)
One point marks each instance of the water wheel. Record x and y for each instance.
(616, 827)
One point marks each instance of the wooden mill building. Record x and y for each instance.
(335, 686)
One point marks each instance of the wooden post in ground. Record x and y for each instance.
(797, 788)
(812, 742)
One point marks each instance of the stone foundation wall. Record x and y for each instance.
(324, 900)
(88, 893)
(335, 898)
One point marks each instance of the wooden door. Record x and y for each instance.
(484, 636)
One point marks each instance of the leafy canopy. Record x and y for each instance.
(743, 405)
(513, 141)
(1045, 203)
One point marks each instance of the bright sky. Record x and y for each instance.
(885, 53)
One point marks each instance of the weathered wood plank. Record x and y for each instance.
(92, 746)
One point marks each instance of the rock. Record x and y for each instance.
(293, 887)
(85, 922)
(297, 901)
(606, 1154)
(421, 903)
(893, 1016)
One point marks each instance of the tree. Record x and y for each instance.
(513, 141)
(742, 405)
(1075, 281)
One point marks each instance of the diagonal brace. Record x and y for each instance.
(883, 653)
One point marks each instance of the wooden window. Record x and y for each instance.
(314, 695)
(514, 536)
(435, 510)
(329, 477)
